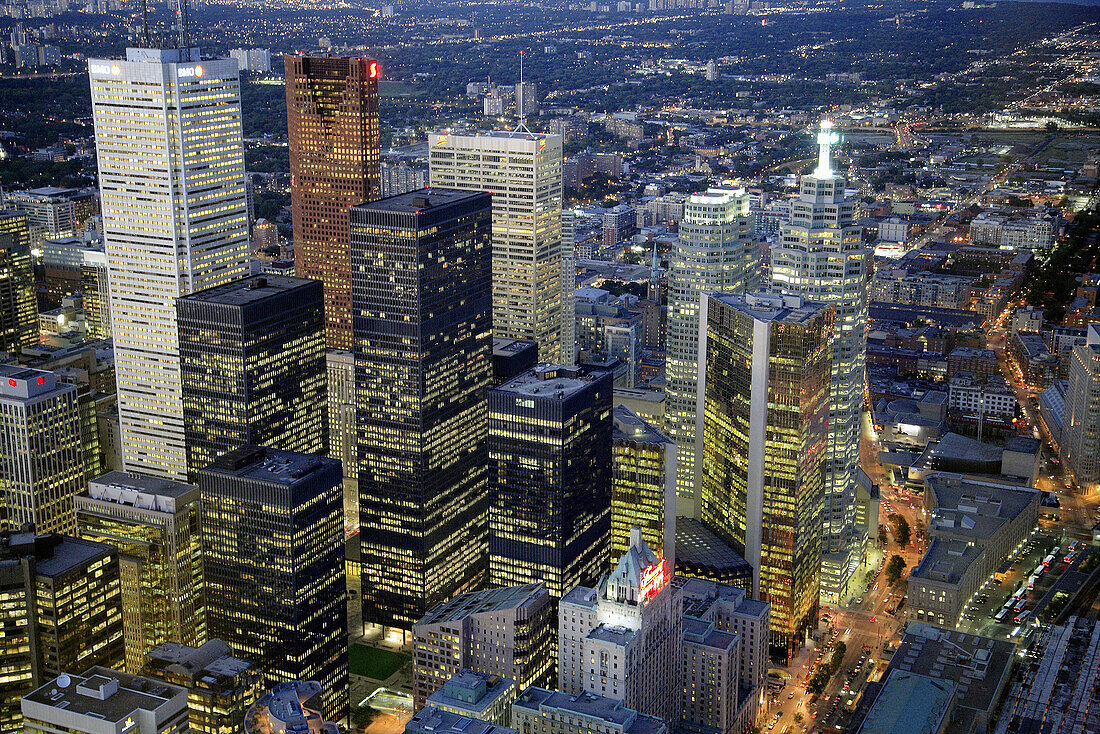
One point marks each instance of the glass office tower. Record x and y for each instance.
(422, 303)
(764, 408)
(18, 308)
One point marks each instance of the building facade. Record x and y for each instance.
(252, 365)
(820, 256)
(715, 253)
(643, 485)
(1081, 425)
(104, 701)
(763, 407)
(522, 170)
(550, 477)
(332, 126)
(41, 455)
(156, 526)
(273, 557)
(189, 232)
(421, 298)
(18, 308)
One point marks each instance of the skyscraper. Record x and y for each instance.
(155, 525)
(1081, 428)
(252, 367)
(340, 370)
(273, 557)
(41, 460)
(423, 362)
(332, 123)
(550, 478)
(523, 172)
(820, 255)
(96, 292)
(175, 220)
(715, 252)
(643, 486)
(18, 309)
(763, 408)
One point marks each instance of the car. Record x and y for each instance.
(790, 695)
(859, 600)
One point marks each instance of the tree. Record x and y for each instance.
(901, 528)
(882, 537)
(894, 567)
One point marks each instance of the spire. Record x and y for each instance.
(826, 139)
(521, 108)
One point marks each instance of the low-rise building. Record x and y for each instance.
(909, 702)
(434, 720)
(104, 701)
(290, 707)
(478, 696)
(542, 711)
(970, 395)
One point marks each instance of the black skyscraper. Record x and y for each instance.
(550, 477)
(273, 555)
(422, 319)
(252, 363)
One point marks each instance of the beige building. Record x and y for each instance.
(104, 701)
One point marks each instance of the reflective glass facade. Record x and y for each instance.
(550, 478)
(332, 121)
(422, 302)
(18, 309)
(764, 414)
(252, 364)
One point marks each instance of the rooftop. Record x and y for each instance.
(215, 658)
(149, 493)
(106, 694)
(246, 291)
(909, 703)
(512, 346)
(552, 381)
(490, 600)
(629, 426)
(974, 509)
(772, 308)
(415, 202)
(591, 706)
(54, 555)
(438, 721)
(699, 550)
(269, 465)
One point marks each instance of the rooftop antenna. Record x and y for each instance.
(521, 108)
(145, 23)
(183, 15)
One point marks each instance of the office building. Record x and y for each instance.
(498, 632)
(157, 251)
(820, 256)
(342, 442)
(910, 702)
(607, 330)
(974, 527)
(290, 707)
(275, 586)
(60, 599)
(1081, 425)
(643, 486)
(435, 720)
(421, 298)
(542, 711)
(220, 687)
(477, 696)
(96, 291)
(549, 488)
(53, 212)
(252, 363)
(512, 357)
(620, 639)
(1058, 693)
(701, 554)
(332, 123)
(104, 701)
(527, 100)
(715, 252)
(41, 457)
(252, 59)
(522, 170)
(18, 308)
(155, 525)
(764, 366)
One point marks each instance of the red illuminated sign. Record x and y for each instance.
(12, 382)
(374, 70)
(654, 579)
(41, 380)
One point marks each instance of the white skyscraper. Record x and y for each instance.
(175, 218)
(715, 252)
(820, 255)
(523, 172)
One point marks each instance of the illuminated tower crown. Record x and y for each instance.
(826, 139)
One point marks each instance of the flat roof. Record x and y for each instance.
(771, 308)
(552, 381)
(252, 289)
(592, 706)
(629, 426)
(698, 546)
(419, 201)
(438, 721)
(70, 553)
(490, 600)
(144, 484)
(909, 703)
(504, 346)
(270, 465)
(91, 694)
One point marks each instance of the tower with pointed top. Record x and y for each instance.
(820, 255)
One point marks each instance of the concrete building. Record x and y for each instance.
(974, 526)
(532, 298)
(821, 257)
(993, 397)
(616, 640)
(154, 523)
(220, 687)
(435, 720)
(1057, 692)
(1081, 427)
(498, 632)
(477, 695)
(922, 288)
(156, 251)
(257, 60)
(715, 252)
(290, 707)
(342, 441)
(104, 701)
(910, 702)
(643, 486)
(764, 376)
(97, 296)
(542, 711)
(41, 454)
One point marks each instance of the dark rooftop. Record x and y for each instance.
(249, 290)
(414, 202)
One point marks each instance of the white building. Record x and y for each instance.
(523, 172)
(972, 395)
(103, 701)
(342, 442)
(715, 252)
(617, 640)
(41, 460)
(175, 218)
(820, 255)
(252, 59)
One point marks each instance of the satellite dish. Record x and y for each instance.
(63, 680)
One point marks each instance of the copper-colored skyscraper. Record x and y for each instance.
(332, 120)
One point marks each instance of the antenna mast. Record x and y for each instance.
(183, 16)
(521, 108)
